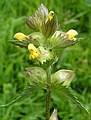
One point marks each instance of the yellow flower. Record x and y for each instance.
(34, 52)
(50, 16)
(20, 36)
(71, 34)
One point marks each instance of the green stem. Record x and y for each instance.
(48, 92)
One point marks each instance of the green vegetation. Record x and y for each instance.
(71, 14)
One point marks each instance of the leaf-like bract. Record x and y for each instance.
(58, 41)
(26, 93)
(69, 94)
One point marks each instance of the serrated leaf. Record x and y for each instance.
(26, 93)
(69, 94)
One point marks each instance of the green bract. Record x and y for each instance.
(60, 40)
(35, 22)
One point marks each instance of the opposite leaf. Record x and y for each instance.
(69, 94)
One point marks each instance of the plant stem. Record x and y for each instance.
(48, 92)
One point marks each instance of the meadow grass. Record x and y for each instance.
(71, 14)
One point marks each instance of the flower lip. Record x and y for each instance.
(71, 34)
(34, 54)
(51, 13)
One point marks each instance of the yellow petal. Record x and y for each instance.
(72, 32)
(20, 36)
(51, 14)
(31, 47)
(34, 54)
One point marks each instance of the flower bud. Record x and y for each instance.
(63, 76)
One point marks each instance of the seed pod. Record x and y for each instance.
(36, 75)
(63, 76)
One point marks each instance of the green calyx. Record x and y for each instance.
(63, 76)
(36, 75)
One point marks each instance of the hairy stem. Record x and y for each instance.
(48, 92)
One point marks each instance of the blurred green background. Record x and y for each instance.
(74, 14)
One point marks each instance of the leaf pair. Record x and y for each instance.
(69, 94)
(37, 78)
